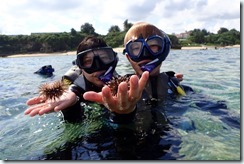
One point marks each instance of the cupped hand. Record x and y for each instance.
(125, 100)
(39, 105)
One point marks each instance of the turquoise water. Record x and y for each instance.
(204, 125)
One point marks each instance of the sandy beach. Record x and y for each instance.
(208, 47)
(118, 49)
(43, 54)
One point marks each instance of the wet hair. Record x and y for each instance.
(90, 42)
(142, 29)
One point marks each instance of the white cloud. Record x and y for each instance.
(26, 16)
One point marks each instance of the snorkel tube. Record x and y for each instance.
(107, 76)
(151, 65)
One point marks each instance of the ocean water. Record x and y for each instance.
(204, 125)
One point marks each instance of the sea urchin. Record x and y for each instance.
(114, 83)
(52, 90)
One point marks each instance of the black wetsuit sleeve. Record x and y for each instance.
(75, 113)
(78, 91)
(123, 118)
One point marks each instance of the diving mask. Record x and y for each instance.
(97, 59)
(155, 48)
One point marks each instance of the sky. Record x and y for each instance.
(172, 16)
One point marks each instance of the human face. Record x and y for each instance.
(94, 77)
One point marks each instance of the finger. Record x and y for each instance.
(35, 111)
(143, 80)
(107, 98)
(35, 100)
(30, 109)
(123, 94)
(27, 111)
(134, 87)
(93, 96)
(46, 109)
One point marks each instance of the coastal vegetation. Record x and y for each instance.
(68, 41)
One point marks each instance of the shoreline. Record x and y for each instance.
(118, 49)
(41, 54)
(209, 47)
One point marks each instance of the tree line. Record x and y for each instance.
(67, 41)
(224, 37)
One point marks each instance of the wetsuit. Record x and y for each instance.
(158, 88)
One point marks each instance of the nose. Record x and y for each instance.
(97, 62)
(145, 52)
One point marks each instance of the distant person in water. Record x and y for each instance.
(46, 70)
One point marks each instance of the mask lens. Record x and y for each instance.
(155, 45)
(134, 48)
(85, 59)
(105, 55)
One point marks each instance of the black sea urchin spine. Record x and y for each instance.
(52, 90)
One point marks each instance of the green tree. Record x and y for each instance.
(115, 39)
(204, 31)
(127, 25)
(197, 36)
(54, 42)
(222, 30)
(73, 32)
(212, 38)
(236, 34)
(87, 28)
(114, 28)
(174, 42)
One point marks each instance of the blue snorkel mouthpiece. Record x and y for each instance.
(150, 66)
(107, 76)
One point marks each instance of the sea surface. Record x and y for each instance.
(204, 125)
